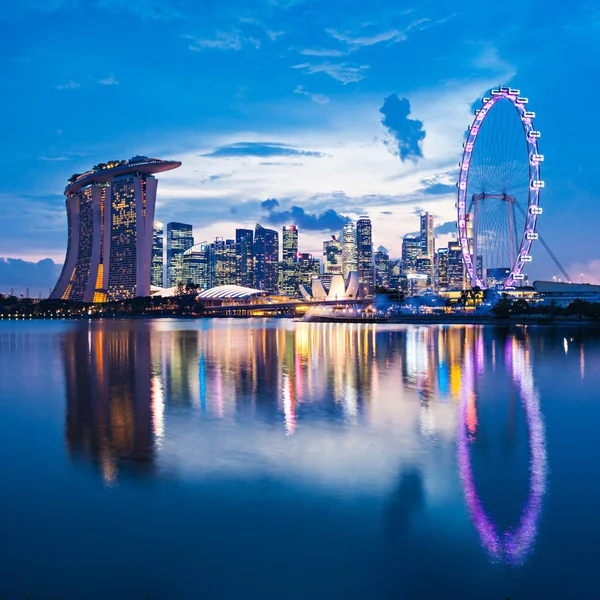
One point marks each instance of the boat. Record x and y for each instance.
(344, 313)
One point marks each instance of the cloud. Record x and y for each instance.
(216, 177)
(386, 212)
(70, 85)
(322, 52)
(110, 80)
(392, 35)
(445, 228)
(439, 189)
(37, 276)
(232, 40)
(408, 133)
(260, 149)
(340, 72)
(318, 98)
(329, 220)
(54, 158)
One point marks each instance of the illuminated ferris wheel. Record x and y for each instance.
(499, 190)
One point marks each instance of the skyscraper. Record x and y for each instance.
(382, 268)
(224, 261)
(427, 235)
(289, 262)
(244, 268)
(195, 266)
(364, 254)
(411, 250)
(456, 267)
(266, 258)
(180, 238)
(110, 212)
(157, 254)
(442, 269)
(349, 260)
(308, 267)
(333, 256)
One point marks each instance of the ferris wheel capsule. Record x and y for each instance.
(535, 134)
(535, 210)
(496, 93)
(514, 92)
(485, 99)
(537, 158)
(529, 114)
(522, 100)
(518, 276)
(531, 235)
(537, 184)
(526, 259)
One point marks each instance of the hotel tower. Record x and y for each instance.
(110, 212)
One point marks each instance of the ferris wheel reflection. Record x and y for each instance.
(513, 545)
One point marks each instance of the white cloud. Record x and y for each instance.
(587, 272)
(322, 52)
(232, 40)
(318, 98)
(110, 80)
(340, 71)
(392, 35)
(70, 85)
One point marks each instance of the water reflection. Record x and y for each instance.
(109, 387)
(513, 545)
(359, 403)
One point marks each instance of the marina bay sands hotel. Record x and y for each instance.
(110, 212)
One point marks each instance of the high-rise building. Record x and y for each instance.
(456, 267)
(266, 259)
(423, 267)
(411, 249)
(289, 262)
(382, 269)
(180, 238)
(349, 259)
(110, 212)
(333, 256)
(225, 259)
(364, 255)
(157, 254)
(394, 274)
(427, 235)
(244, 268)
(308, 267)
(195, 266)
(442, 269)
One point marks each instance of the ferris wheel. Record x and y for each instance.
(499, 190)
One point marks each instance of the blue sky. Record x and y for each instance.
(334, 109)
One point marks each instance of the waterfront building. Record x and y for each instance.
(364, 254)
(157, 278)
(394, 274)
(180, 238)
(382, 267)
(456, 267)
(195, 266)
(224, 257)
(442, 269)
(244, 268)
(349, 259)
(496, 276)
(110, 213)
(308, 267)
(333, 256)
(411, 249)
(423, 267)
(266, 259)
(427, 235)
(289, 264)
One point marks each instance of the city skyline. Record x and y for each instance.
(349, 126)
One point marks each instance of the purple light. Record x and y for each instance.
(534, 172)
(512, 546)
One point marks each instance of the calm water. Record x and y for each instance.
(185, 459)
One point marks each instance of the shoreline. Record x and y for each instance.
(395, 320)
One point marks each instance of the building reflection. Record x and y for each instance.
(109, 395)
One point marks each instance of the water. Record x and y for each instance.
(185, 459)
